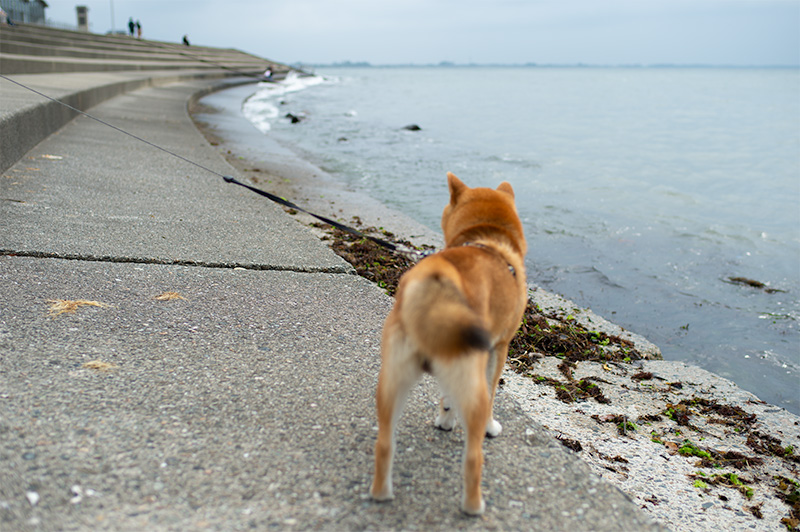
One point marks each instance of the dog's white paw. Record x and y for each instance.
(383, 494)
(493, 428)
(475, 510)
(446, 420)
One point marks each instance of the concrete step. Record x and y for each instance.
(29, 64)
(14, 46)
(45, 35)
(30, 49)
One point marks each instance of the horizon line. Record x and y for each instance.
(451, 64)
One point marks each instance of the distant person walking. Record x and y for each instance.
(138, 30)
(5, 20)
(131, 26)
(186, 40)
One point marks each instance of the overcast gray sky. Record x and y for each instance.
(720, 32)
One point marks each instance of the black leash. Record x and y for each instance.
(337, 225)
(230, 179)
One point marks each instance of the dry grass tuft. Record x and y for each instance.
(99, 365)
(61, 306)
(169, 296)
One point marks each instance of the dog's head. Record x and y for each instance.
(475, 213)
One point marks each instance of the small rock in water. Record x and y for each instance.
(412, 127)
(293, 118)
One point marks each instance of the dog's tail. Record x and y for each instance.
(436, 314)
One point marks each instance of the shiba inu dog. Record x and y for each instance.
(454, 316)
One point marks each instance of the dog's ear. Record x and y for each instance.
(505, 186)
(456, 187)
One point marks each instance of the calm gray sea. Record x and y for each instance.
(642, 190)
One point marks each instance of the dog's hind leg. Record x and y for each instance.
(464, 381)
(398, 374)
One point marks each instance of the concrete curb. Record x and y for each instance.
(31, 121)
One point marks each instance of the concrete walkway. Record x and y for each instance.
(247, 403)
(90, 69)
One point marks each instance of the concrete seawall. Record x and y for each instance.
(219, 365)
(216, 366)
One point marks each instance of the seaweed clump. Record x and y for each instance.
(731, 480)
(543, 334)
(716, 459)
(771, 446)
(788, 491)
(721, 414)
(371, 261)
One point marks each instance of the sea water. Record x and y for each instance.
(643, 191)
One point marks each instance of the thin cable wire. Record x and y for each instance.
(112, 126)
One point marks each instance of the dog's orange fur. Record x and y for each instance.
(454, 316)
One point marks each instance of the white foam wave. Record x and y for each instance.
(261, 108)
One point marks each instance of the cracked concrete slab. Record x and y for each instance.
(90, 191)
(248, 403)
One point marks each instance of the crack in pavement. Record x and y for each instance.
(343, 269)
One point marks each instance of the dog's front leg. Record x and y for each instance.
(494, 368)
